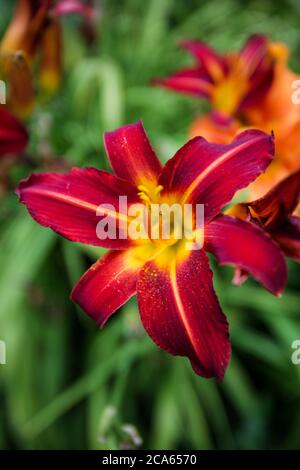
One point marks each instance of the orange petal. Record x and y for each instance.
(17, 29)
(17, 72)
(215, 131)
(51, 56)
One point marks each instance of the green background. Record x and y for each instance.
(67, 385)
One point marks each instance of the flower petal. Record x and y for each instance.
(245, 245)
(212, 63)
(192, 81)
(131, 155)
(215, 130)
(23, 32)
(273, 208)
(65, 7)
(13, 135)
(108, 284)
(288, 237)
(17, 73)
(210, 174)
(180, 311)
(68, 203)
(259, 86)
(15, 34)
(51, 56)
(257, 64)
(254, 51)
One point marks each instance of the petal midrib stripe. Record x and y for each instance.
(180, 307)
(78, 203)
(226, 156)
(197, 83)
(139, 176)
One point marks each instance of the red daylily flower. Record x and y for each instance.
(276, 214)
(232, 82)
(13, 135)
(178, 306)
(35, 31)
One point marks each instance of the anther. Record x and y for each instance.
(158, 189)
(143, 188)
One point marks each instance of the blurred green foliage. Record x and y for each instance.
(67, 385)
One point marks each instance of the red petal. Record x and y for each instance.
(65, 7)
(254, 51)
(260, 84)
(288, 238)
(13, 135)
(210, 61)
(181, 313)
(68, 202)
(257, 65)
(210, 174)
(107, 285)
(273, 208)
(131, 155)
(246, 246)
(192, 81)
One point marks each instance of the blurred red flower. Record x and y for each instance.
(250, 89)
(13, 135)
(232, 82)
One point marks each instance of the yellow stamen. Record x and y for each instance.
(143, 188)
(144, 197)
(158, 189)
(149, 195)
